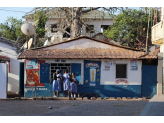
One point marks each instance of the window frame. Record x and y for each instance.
(126, 70)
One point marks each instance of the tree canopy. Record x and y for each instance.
(11, 29)
(72, 17)
(127, 25)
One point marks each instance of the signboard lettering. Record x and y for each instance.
(121, 81)
(92, 65)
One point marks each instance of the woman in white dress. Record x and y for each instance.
(66, 82)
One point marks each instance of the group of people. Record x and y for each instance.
(69, 83)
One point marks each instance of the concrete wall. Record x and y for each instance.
(82, 43)
(160, 74)
(108, 77)
(13, 76)
(97, 26)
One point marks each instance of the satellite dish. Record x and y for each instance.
(27, 29)
(47, 43)
(52, 39)
(29, 43)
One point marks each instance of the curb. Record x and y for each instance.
(78, 98)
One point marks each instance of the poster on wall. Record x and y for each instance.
(134, 64)
(32, 64)
(33, 74)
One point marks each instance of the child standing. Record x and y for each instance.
(73, 85)
(56, 83)
(66, 82)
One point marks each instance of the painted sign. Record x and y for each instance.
(92, 74)
(57, 60)
(92, 65)
(134, 64)
(121, 81)
(32, 64)
(63, 60)
(33, 75)
(107, 64)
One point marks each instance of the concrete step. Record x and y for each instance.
(60, 98)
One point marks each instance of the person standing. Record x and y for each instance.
(73, 85)
(57, 82)
(66, 82)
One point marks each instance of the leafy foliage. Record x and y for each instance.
(127, 26)
(11, 29)
(40, 26)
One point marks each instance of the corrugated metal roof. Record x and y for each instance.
(81, 53)
(4, 58)
(95, 14)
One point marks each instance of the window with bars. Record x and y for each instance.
(121, 71)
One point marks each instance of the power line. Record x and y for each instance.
(12, 10)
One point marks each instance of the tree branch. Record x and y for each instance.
(91, 8)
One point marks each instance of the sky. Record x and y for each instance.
(16, 12)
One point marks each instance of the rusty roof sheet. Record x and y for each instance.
(142, 40)
(4, 58)
(80, 53)
(151, 55)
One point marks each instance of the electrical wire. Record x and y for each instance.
(13, 10)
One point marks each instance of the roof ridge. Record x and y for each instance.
(84, 36)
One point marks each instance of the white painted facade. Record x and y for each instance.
(13, 76)
(3, 80)
(97, 27)
(82, 43)
(108, 77)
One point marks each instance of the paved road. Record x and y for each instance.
(71, 108)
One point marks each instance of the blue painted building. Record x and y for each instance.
(101, 67)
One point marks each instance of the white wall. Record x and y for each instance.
(13, 76)
(97, 25)
(82, 43)
(108, 77)
(3, 80)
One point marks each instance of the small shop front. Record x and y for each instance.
(96, 77)
(101, 67)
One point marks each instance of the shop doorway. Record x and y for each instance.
(61, 66)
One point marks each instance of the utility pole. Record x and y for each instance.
(141, 23)
(148, 29)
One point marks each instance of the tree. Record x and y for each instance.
(127, 25)
(72, 17)
(40, 26)
(11, 29)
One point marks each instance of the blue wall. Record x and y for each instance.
(103, 90)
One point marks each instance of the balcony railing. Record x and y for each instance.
(157, 33)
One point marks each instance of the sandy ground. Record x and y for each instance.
(71, 107)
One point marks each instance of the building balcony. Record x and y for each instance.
(158, 33)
